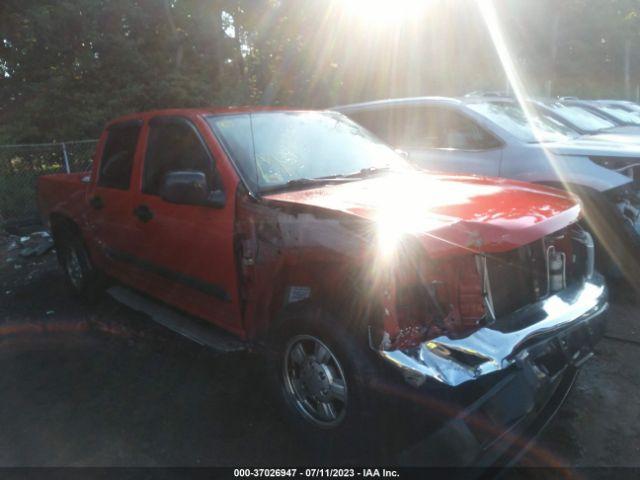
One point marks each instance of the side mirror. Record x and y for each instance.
(190, 188)
(403, 153)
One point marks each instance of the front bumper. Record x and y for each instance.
(505, 385)
(456, 361)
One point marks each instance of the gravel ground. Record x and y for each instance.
(105, 386)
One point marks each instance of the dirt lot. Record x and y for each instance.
(104, 386)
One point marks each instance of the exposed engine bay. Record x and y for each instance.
(477, 312)
(456, 296)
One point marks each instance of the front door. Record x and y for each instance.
(186, 251)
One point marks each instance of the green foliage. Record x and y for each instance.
(68, 66)
(19, 169)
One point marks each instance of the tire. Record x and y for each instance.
(345, 357)
(84, 280)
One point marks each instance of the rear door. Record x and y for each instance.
(110, 197)
(185, 251)
(437, 138)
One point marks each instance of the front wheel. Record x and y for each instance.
(322, 374)
(314, 381)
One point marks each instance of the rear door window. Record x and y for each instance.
(460, 132)
(426, 127)
(376, 121)
(117, 158)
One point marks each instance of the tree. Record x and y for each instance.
(68, 66)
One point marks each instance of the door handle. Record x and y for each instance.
(96, 202)
(143, 212)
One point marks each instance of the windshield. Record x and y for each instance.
(580, 117)
(621, 114)
(272, 149)
(631, 106)
(512, 118)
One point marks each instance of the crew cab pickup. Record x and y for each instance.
(383, 297)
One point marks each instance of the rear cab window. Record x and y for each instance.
(119, 151)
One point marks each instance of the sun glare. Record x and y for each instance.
(384, 12)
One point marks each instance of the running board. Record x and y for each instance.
(192, 328)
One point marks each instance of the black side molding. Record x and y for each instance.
(191, 282)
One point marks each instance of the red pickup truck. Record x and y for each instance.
(382, 296)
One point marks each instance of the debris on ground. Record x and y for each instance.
(13, 247)
(23, 255)
(36, 244)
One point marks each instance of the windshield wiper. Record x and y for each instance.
(306, 182)
(312, 182)
(367, 172)
(604, 130)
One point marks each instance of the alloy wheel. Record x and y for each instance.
(74, 268)
(315, 381)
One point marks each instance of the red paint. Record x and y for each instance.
(323, 238)
(448, 211)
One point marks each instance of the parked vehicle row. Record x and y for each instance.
(439, 317)
(488, 135)
(592, 119)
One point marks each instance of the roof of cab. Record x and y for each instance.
(396, 101)
(192, 112)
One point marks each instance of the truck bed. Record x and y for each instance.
(61, 192)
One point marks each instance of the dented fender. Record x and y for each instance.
(291, 254)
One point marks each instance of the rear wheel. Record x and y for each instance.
(82, 277)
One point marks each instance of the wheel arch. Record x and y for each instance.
(330, 288)
(60, 222)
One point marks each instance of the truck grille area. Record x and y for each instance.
(526, 275)
(517, 278)
(456, 296)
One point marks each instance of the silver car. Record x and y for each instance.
(624, 104)
(492, 136)
(596, 119)
(612, 111)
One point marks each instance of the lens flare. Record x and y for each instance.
(389, 233)
(384, 12)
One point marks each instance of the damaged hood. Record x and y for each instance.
(445, 212)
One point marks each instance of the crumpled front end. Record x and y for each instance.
(627, 201)
(501, 366)
(626, 197)
(452, 361)
(453, 320)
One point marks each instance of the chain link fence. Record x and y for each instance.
(21, 165)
